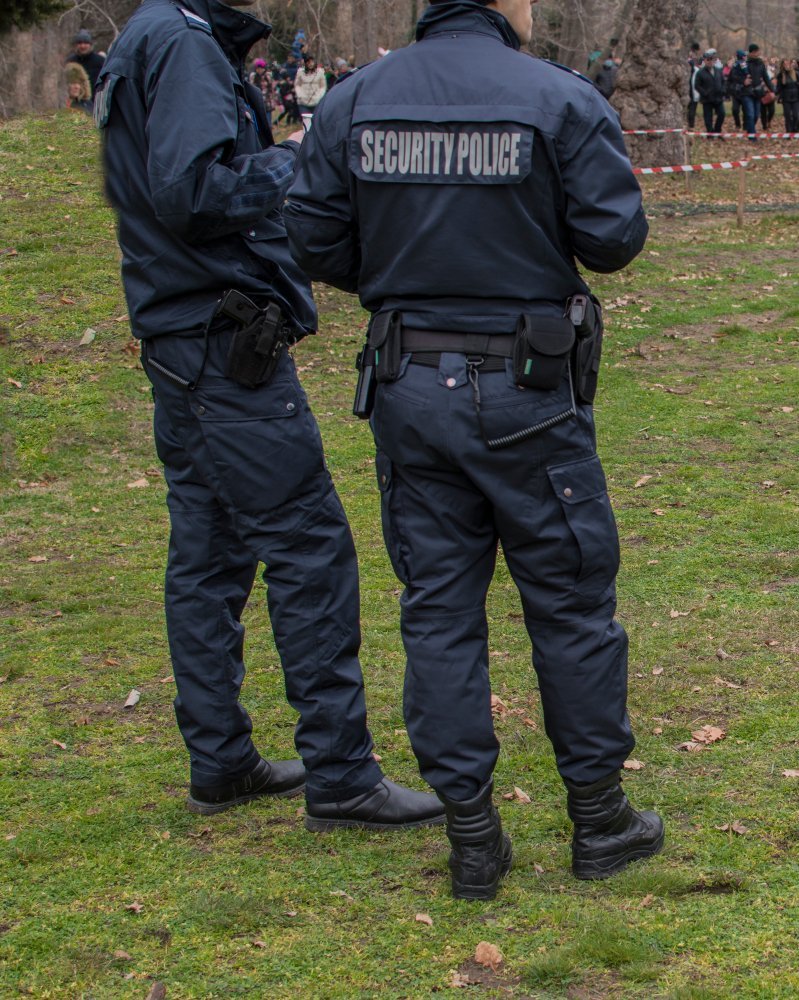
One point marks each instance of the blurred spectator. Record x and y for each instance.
(343, 70)
(605, 81)
(288, 100)
(694, 62)
(310, 85)
(788, 93)
(261, 78)
(79, 88)
(735, 84)
(711, 85)
(85, 56)
(291, 65)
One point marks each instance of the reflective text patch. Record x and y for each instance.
(447, 153)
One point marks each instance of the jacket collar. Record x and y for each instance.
(234, 29)
(465, 15)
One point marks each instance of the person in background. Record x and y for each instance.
(768, 107)
(711, 87)
(788, 93)
(85, 56)
(79, 90)
(310, 85)
(288, 101)
(261, 78)
(735, 86)
(343, 70)
(291, 65)
(694, 62)
(605, 81)
(754, 83)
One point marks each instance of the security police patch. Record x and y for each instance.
(441, 153)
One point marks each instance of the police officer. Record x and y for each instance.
(198, 185)
(452, 185)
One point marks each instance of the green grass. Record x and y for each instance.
(699, 392)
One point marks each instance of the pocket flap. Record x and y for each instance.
(576, 482)
(552, 336)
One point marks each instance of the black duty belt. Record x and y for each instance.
(427, 346)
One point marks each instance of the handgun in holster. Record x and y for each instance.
(378, 360)
(258, 341)
(585, 314)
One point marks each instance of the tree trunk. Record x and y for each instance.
(345, 37)
(653, 80)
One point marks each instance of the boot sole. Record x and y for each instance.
(606, 867)
(212, 808)
(484, 892)
(317, 825)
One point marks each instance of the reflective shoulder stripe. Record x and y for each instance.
(195, 21)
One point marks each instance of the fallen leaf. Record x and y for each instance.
(132, 699)
(66, 301)
(59, 744)
(16, 382)
(530, 723)
(657, 671)
(734, 827)
(457, 980)
(375, 756)
(787, 409)
(166, 835)
(721, 655)
(138, 484)
(679, 614)
(424, 918)
(708, 734)
(9, 252)
(657, 731)
(259, 944)
(538, 869)
(340, 892)
(790, 773)
(291, 913)
(488, 955)
(691, 746)
(646, 901)
(768, 483)
(123, 956)
(727, 684)
(157, 992)
(642, 482)
(10, 836)
(658, 512)
(139, 739)
(111, 662)
(204, 832)
(134, 907)
(633, 765)
(88, 336)
(167, 680)
(521, 796)
(498, 706)
(37, 559)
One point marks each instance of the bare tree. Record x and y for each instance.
(651, 89)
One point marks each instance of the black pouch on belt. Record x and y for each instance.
(256, 348)
(541, 350)
(385, 339)
(585, 313)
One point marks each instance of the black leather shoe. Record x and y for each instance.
(481, 852)
(385, 807)
(608, 832)
(281, 778)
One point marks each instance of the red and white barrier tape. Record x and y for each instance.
(715, 135)
(688, 168)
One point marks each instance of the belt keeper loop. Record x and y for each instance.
(477, 343)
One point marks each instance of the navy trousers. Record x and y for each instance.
(447, 501)
(247, 483)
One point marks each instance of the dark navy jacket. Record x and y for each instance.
(197, 184)
(458, 179)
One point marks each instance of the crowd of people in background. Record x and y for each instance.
(752, 83)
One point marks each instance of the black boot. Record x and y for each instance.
(282, 778)
(481, 852)
(608, 832)
(385, 807)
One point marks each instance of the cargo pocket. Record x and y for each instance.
(263, 444)
(582, 491)
(396, 548)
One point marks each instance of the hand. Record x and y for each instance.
(297, 136)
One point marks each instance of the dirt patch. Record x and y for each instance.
(470, 973)
(599, 988)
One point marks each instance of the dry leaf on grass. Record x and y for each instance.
(123, 956)
(518, 795)
(708, 735)
(790, 773)
(691, 746)
(734, 827)
(498, 706)
(424, 918)
(132, 699)
(727, 684)
(457, 980)
(15, 382)
(488, 955)
(642, 482)
(37, 559)
(157, 992)
(59, 744)
(134, 907)
(721, 654)
(657, 671)
(138, 484)
(88, 336)
(259, 944)
(633, 765)
(646, 901)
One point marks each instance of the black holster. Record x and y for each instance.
(585, 313)
(379, 360)
(257, 344)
